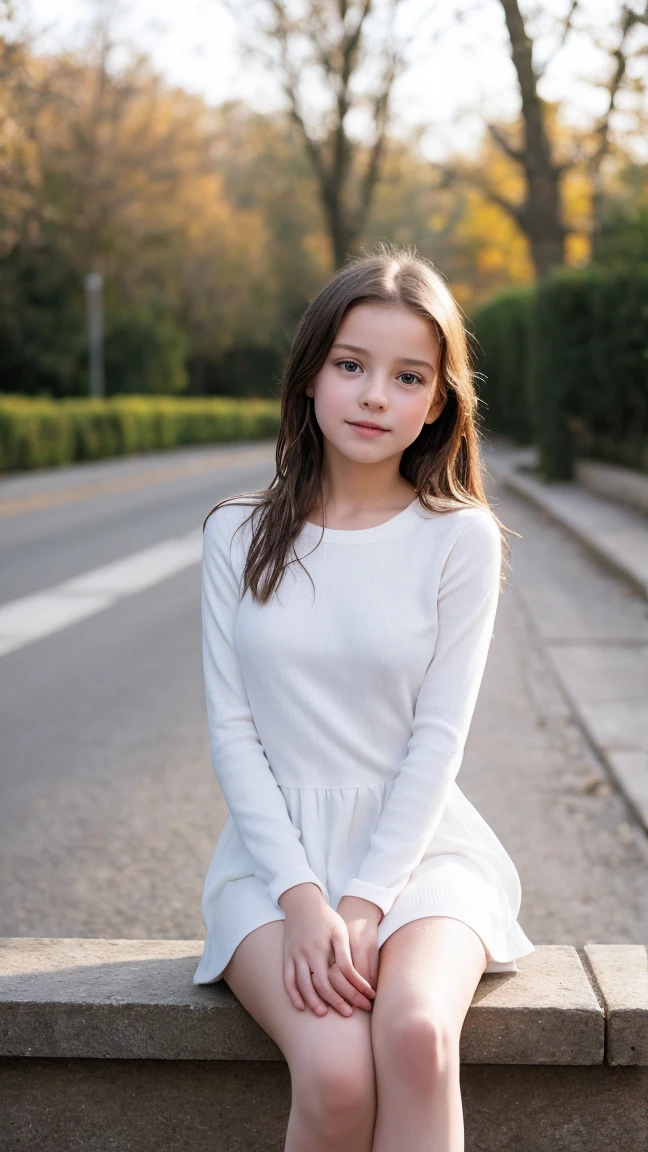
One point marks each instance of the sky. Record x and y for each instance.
(449, 87)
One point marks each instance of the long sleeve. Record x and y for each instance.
(466, 607)
(239, 761)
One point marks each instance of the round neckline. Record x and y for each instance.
(362, 535)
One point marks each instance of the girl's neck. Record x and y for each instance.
(365, 514)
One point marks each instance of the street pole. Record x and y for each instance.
(94, 285)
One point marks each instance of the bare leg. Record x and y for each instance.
(329, 1057)
(428, 973)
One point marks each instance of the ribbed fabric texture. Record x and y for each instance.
(338, 714)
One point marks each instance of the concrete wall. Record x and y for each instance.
(108, 1045)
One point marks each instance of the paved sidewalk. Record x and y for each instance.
(616, 534)
(603, 674)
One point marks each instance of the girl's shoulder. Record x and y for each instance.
(475, 520)
(221, 524)
(464, 539)
(232, 510)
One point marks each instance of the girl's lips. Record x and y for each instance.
(369, 432)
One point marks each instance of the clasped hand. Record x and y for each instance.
(330, 957)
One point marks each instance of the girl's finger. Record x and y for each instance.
(328, 993)
(291, 985)
(350, 994)
(305, 986)
(345, 964)
(366, 961)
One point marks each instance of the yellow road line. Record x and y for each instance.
(39, 501)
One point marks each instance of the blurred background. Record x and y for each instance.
(214, 163)
(177, 182)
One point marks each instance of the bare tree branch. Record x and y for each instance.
(629, 20)
(567, 25)
(500, 139)
(335, 33)
(453, 175)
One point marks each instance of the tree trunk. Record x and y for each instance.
(540, 216)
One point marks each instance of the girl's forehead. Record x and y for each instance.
(374, 325)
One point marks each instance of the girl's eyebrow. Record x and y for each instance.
(403, 359)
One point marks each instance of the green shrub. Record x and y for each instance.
(589, 368)
(567, 366)
(145, 352)
(38, 433)
(502, 330)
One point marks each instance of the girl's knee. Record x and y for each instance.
(419, 1045)
(335, 1090)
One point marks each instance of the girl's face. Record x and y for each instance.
(383, 369)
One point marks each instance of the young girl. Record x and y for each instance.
(355, 896)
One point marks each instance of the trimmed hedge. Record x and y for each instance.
(42, 433)
(503, 331)
(567, 366)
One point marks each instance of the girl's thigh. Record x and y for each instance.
(429, 970)
(319, 1045)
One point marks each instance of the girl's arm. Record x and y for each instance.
(467, 604)
(239, 761)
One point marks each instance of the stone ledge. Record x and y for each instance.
(621, 972)
(135, 999)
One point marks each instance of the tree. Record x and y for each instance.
(328, 42)
(539, 215)
(531, 145)
(107, 167)
(630, 21)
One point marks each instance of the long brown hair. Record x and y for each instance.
(444, 462)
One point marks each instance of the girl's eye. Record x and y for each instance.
(349, 366)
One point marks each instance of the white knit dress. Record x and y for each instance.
(337, 720)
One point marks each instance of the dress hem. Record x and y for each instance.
(502, 956)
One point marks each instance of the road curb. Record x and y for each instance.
(532, 490)
(627, 768)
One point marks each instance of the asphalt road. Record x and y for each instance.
(109, 810)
